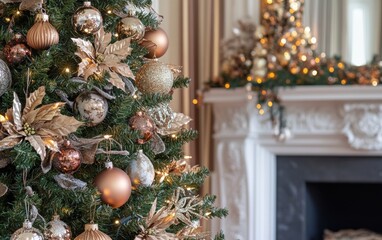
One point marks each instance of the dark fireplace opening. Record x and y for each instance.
(314, 193)
(338, 206)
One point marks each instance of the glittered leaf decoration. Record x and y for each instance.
(104, 57)
(34, 100)
(17, 112)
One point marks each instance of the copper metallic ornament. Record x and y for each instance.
(16, 50)
(5, 77)
(67, 160)
(42, 35)
(156, 42)
(92, 233)
(154, 77)
(87, 19)
(144, 124)
(57, 230)
(114, 185)
(27, 232)
(131, 27)
(91, 107)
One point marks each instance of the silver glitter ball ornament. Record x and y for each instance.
(27, 232)
(91, 107)
(131, 27)
(87, 19)
(141, 171)
(57, 230)
(5, 77)
(154, 77)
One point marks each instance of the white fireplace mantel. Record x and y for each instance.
(324, 120)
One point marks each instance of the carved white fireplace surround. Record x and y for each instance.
(324, 120)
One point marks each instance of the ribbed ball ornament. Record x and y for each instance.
(92, 233)
(42, 35)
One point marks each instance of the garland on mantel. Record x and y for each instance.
(279, 53)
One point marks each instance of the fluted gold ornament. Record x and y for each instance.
(154, 77)
(42, 35)
(92, 233)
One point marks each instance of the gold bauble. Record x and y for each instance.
(131, 27)
(92, 233)
(87, 19)
(156, 42)
(154, 77)
(27, 232)
(114, 185)
(42, 35)
(57, 230)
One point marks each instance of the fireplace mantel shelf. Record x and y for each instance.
(323, 120)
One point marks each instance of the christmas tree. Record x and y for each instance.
(89, 147)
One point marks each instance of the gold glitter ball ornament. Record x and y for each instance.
(87, 19)
(57, 230)
(154, 77)
(92, 233)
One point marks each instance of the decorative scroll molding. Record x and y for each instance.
(363, 125)
(313, 119)
(231, 118)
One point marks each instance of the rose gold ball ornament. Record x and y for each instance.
(92, 233)
(91, 107)
(67, 160)
(42, 35)
(156, 42)
(57, 230)
(144, 125)
(87, 19)
(154, 77)
(27, 232)
(114, 185)
(16, 50)
(131, 26)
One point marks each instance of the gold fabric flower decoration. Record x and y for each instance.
(156, 224)
(42, 127)
(103, 57)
